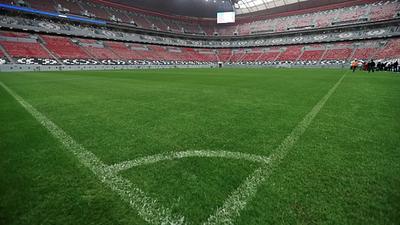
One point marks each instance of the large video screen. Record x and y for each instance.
(226, 17)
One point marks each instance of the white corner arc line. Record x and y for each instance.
(186, 154)
(148, 208)
(239, 198)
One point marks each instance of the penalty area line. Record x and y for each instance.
(187, 154)
(239, 198)
(148, 208)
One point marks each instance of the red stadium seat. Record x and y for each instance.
(291, 53)
(63, 48)
(24, 49)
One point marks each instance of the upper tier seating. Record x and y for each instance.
(384, 10)
(97, 9)
(120, 15)
(282, 24)
(139, 20)
(45, 5)
(352, 14)
(302, 21)
(158, 23)
(208, 30)
(226, 30)
(325, 19)
(71, 5)
(381, 10)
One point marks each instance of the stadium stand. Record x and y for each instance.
(312, 55)
(391, 50)
(329, 16)
(280, 112)
(384, 10)
(224, 55)
(64, 48)
(24, 45)
(270, 55)
(70, 6)
(19, 47)
(290, 53)
(122, 50)
(108, 44)
(252, 55)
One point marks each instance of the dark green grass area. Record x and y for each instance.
(345, 169)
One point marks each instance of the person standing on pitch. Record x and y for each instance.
(354, 65)
(371, 66)
(395, 66)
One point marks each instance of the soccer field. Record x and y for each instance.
(200, 146)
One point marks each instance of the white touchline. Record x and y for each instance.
(247, 190)
(186, 154)
(146, 207)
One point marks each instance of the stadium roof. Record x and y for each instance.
(248, 6)
(209, 8)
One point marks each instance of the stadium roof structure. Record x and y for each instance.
(209, 8)
(248, 6)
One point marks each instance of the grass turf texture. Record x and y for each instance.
(343, 170)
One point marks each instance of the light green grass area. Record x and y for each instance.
(345, 168)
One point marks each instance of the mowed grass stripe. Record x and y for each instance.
(146, 207)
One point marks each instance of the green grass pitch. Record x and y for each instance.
(344, 169)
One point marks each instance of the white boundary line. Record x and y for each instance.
(147, 208)
(236, 202)
(186, 154)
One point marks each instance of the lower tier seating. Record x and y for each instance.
(66, 49)
(24, 49)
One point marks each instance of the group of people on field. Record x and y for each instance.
(371, 66)
(388, 66)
